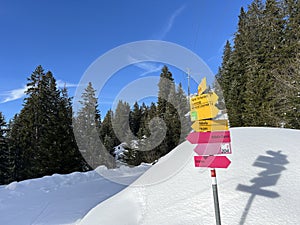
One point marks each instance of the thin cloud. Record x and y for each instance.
(13, 94)
(148, 67)
(19, 93)
(62, 84)
(170, 22)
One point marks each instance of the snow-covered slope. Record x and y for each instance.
(261, 186)
(61, 199)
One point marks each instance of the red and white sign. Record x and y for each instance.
(209, 137)
(213, 148)
(212, 161)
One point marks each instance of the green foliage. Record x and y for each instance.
(260, 75)
(87, 126)
(41, 137)
(6, 166)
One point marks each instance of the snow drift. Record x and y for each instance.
(261, 186)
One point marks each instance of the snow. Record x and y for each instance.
(261, 186)
(61, 199)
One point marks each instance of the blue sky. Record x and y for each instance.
(66, 36)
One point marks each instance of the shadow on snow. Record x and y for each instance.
(273, 165)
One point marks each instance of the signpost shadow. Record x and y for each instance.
(273, 165)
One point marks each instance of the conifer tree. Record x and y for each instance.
(135, 118)
(36, 147)
(164, 85)
(236, 84)
(87, 129)
(107, 134)
(6, 165)
(223, 78)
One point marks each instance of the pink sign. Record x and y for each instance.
(213, 148)
(209, 137)
(212, 161)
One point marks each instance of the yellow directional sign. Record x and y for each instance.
(210, 125)
(202, 100)
(202, 86)
(205, 112)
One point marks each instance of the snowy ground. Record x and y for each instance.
(260, 187)
(61, 199)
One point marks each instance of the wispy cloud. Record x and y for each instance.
(12, 95)
(15, 94)
(148, 67)
(62, 84)
(170, 22)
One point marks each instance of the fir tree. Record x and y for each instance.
(107, 134)
(135, 118)
(6, 166)
(37, 148)
(87, 130)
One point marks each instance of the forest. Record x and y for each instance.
(259, 77)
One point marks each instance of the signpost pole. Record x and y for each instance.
(215, 194)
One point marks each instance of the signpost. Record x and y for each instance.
(203, 99)
(210, 125)
(202, 86)
(206, 111)
(211, 136)
(211, 161)
(213, 148)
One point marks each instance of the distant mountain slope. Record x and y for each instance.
(261, 186)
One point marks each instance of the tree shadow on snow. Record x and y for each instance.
(273, 165)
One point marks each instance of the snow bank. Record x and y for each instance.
(261, 186)
(61, 199)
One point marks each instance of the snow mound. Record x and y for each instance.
(260, 187)
(60, 199)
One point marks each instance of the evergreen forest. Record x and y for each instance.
(259, 77)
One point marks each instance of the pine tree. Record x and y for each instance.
(182, 105)
(107, 134)
(135, 118)
(237, 67)
(6, 166)
(37, 148)
(290, 75)
(87, 130)
(223, 78)
(165, 84)
(121, 122)
(71, 158)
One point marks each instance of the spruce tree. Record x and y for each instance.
(236, 83)
(107, 134)
(6, 165)
(37, 148)
(165, 84)
(135, 118)
(223, 78)
(87, 130)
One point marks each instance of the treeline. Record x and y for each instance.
(260, 72)
(47, 137)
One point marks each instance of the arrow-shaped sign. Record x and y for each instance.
(204, 99)
(213, 148)
(202, 86)
(209, 137)
(205, 112)
(211, 161)
(210, 125)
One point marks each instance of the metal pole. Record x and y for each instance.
(188, 73)
(216, 199)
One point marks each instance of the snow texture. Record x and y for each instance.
(261, 186)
